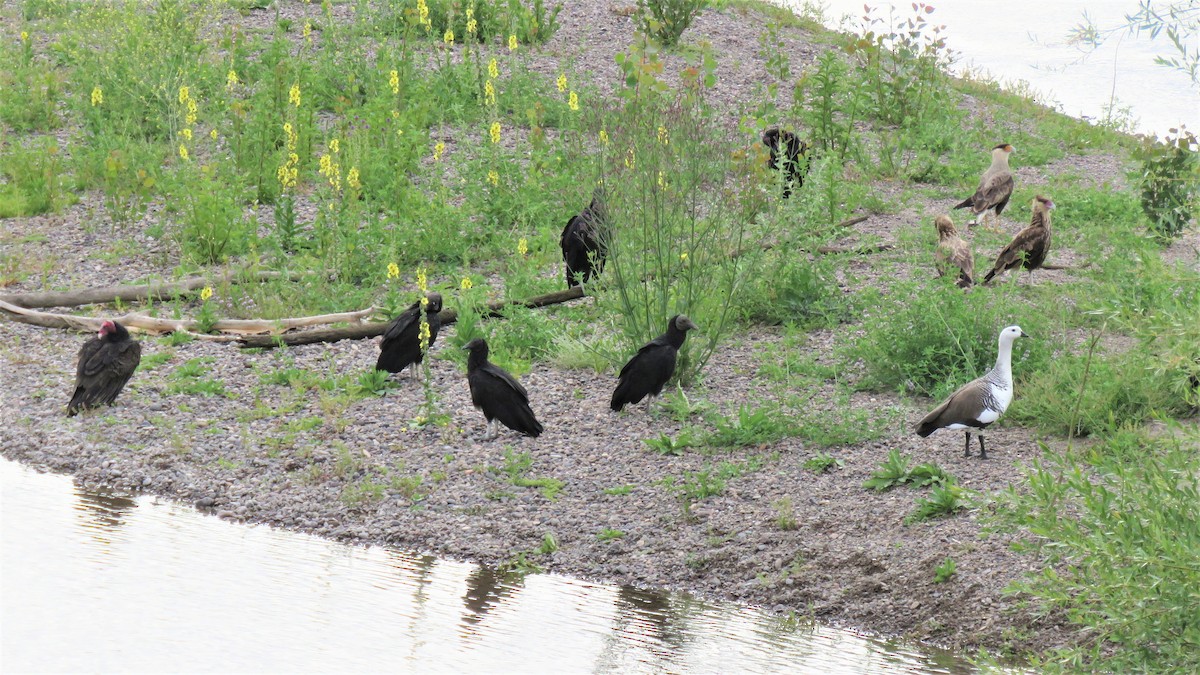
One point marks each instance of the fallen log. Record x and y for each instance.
(139, 322)
(370, 330)
(129, 292)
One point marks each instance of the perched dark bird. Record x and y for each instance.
(794, 150)
(106, 362)
(584, 241)
(497, 393)
(652, 366)
(995, 185)
(953, 254)
(401, 344)
(1031, 244)
(979, 402)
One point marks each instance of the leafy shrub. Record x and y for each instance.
(665, 20)
(1122, 564)
(943, 500)
(1169, 182)
(794, 290)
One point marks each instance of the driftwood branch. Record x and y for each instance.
(1051, 266)
(128, 293)
(370, 330)
(156, 326)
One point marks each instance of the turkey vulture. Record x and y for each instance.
(497, 393)
(106, 362)
(583, 240)
(995, 185)
(794, 149)
(1031, 244)
(401, 344)
(652, 366)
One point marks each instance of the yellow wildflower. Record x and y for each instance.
(423, 14)
(493, 178)
(489, 93)
(512, 43)
(573, 101)
(493, 69)
(213, 133)
(24, 36)
(683, 256)
(423, 333)
(186, 133)
(522, 247)
(184, 94)
(472, 25)
(438, 149)
(466, 284)
(205, 293)
(422, 280)
(97, 96)
(190, 118)
(604, 137)
(183, 152)
(294, 94)
(352, 179)
(292, 136)
(393, 271)
(448, 36)
(308, 31)
(663, 137)
(335, 145)
(561, 82)
(231, 80)
(630, 159)
(662, 182)
(494, 131)
(325, 165)
(394, 81)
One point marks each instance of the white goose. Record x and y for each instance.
(979, 402)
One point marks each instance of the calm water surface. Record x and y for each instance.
(103, 583)
(1027, 40)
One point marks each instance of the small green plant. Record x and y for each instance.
(609, 534)
(893, 472)
(665, 20)
(929, 474)
(1169, 181)
(822, 462)
(372, 383)
(619, 490)
(752, 426)
(549, 544)
(363, 493)
(943, 500)
(944, 571)
(665, 445)
(206, 318)
(785, 517)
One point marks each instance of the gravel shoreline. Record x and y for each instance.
(275, 454)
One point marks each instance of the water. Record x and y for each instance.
(1027, 40)
(104, 583)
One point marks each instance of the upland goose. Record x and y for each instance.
(401, 344)
(995, 186)
(979, 402)
(106, 362)
(498, 394)
(1031, 244)
(953, 254)
(584, 241)
(646, 373)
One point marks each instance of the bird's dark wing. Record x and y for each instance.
(406, 321)
(1025, 241)
(87, 358)
(647, 352)
(993, 191)
(501, 375)
(104, 372)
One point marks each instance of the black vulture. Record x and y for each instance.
(584, 242)
(497, 393)
(106, 362)
(1030, 246)
(652, 366)
(401, 344)
(795, 151)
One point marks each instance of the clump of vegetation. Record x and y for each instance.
(944, 571)
(1122, 564)
(822, 462)
(1170, 181)
(665, 20)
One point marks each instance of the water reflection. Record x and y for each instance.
(176, 590)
